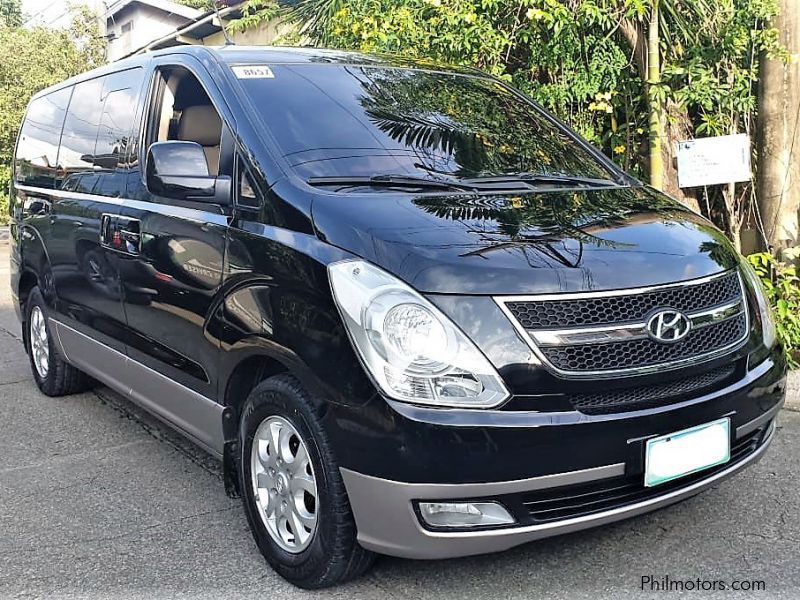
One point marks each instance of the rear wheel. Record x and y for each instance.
(53, 375)
(293, 493)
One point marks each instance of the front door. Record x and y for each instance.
(171, 258)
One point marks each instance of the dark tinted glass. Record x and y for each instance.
(116, 133)
(344, 120)
(37, 150)
(76, 156)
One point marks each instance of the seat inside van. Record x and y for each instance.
(201, 124)
(188, 115)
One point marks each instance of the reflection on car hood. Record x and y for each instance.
(547, 242)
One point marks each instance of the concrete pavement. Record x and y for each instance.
(98, 500)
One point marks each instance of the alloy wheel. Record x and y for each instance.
(40, 346)
(284, 485)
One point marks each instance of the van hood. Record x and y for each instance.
(537, 243)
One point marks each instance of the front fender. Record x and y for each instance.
(299, 329)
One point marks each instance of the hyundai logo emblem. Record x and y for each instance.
(668, 326)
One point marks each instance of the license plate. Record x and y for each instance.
(684, 452)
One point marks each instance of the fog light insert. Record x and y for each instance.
(464, 514)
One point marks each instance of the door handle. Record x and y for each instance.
(132, 241)
(121, 234)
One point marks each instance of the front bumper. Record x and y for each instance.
(388, 523)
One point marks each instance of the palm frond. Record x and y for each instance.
(315, 17)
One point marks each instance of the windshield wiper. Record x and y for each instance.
(390, 181)
(541, 178)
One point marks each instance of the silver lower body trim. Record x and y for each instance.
(194, 415)
(387, 523)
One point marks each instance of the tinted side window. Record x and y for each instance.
(179, 108)
(116, 134)
(76, 155)
(37, 149)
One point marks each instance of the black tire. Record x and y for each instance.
(62, 378)
(333, 555)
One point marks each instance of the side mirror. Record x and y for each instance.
(179, 170)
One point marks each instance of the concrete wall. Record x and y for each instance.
(263, 35)
(147, 24)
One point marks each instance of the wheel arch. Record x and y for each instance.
(34, 262)
(27, 281)
(248, 371)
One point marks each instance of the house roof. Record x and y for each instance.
(201, 26)
(166, 6)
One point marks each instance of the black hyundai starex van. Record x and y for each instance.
(412, 312)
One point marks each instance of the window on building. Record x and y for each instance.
(126, 36)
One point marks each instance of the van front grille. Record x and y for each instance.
(622, 308)
(606, 334)
(646, 352)
(651, 396)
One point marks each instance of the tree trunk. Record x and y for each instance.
(733, 217)
(675, 123)
(779, 140)
(676, 127)
(655, 109)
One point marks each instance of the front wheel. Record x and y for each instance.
(293, 493)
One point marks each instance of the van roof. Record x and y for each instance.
(293, 55)
(269, 55)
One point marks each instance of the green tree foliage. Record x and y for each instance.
(782, 284)
(11, 13)
(86, 35)
(198, 4)
(34, 59)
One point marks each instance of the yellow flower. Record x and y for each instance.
(619, 149)
(534, 14)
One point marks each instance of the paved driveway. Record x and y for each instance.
(97, 500)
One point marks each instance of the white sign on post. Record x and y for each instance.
(714, 160)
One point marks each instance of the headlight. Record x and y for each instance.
(764, 309)
(413, 352)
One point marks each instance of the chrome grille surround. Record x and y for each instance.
(716, 306)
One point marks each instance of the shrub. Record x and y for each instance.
(782, 285)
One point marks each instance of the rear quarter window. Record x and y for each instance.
(98, 134)
(116, 136)
(37, 149)
(76, 156)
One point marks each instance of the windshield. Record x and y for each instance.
(361, 121)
